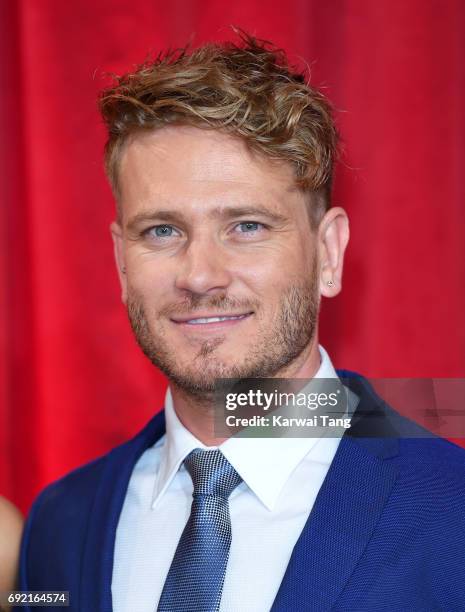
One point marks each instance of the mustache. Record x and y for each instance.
(194, 302)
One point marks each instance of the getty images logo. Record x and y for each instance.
(256, 398)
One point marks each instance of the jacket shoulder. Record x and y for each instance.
(439, 460)
(73, 492)
(59, 517)
(54, 529)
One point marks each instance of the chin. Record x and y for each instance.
(211, 368)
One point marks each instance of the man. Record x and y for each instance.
(221, 163)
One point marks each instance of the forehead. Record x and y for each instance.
(188, 165)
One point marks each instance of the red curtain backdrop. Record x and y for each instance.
(73, 382)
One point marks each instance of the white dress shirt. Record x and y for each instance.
(281, 479)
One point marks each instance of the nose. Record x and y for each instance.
(203, 267)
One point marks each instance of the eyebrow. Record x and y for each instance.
(223, 212)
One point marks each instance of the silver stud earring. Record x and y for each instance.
(330, 283)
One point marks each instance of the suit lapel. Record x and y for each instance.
(97, 562)
(345, 514)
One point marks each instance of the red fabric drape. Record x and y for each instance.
(73, 382)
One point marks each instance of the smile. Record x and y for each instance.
(213, 321)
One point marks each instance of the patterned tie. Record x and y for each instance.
(195, 579)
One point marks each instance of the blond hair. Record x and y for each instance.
(248, 90)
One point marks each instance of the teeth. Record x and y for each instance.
(213, 320)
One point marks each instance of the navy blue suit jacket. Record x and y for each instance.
(386, 533)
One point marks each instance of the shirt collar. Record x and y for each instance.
(264, 464)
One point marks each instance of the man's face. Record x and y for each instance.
(221, 267)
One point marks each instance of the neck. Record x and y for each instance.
(198, 414)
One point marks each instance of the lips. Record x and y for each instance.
(206, 320)
(210, 319)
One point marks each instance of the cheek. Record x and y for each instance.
(264, 282)
(271, 274)
(148, 279)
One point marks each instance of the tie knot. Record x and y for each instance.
(211, 473)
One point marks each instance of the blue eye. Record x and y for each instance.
(163, 230)
(249, 226)
(159, 234)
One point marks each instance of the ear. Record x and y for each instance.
(333, 236)
(117, 236)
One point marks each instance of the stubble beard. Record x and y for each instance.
(277, 344)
